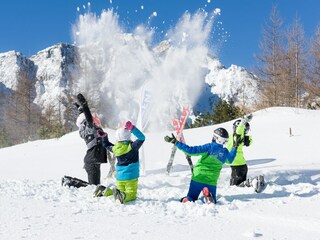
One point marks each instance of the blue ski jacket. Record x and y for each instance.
(127, 154)
(213, 156)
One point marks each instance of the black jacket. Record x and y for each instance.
(96, 153)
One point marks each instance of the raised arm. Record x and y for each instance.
(83, 103)
(136, 132)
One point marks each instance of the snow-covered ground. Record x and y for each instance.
(33, 205)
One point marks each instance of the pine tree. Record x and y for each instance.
(4, 141)
(224, 111)
(313, 86)
(271, 60)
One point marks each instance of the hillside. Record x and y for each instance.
(35, 206)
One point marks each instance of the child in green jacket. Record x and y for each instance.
(239, 168)
(207, 170)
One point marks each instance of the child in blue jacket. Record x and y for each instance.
(127, 167)
(207, 170)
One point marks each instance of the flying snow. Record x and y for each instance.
(117, 64)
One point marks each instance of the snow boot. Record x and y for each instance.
(68, 181)
(65, 182)
(100, 191)
(208, 198)
(185, 199)
(260, 184)
(246, 183)
(118, 195)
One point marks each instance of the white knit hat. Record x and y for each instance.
(123, 135)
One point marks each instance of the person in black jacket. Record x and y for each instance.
(90, 130)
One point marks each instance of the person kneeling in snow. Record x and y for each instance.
(127, 167)
(207, 170)
(239, 168)
(89, 128)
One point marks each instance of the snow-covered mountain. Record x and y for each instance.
(234, 83)
(4, 91)
(55, 70)
(11, 63)
(50, 71)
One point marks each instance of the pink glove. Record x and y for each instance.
(101, 133)
(129, 126)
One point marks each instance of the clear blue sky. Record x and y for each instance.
(29, 26)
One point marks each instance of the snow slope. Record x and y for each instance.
(33, 205)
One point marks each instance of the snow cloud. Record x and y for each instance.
(118, 64)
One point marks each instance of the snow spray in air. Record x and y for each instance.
(121, 69)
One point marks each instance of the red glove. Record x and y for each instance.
(129, 126)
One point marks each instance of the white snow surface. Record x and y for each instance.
(34, 205)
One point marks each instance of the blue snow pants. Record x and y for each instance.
(195, 189)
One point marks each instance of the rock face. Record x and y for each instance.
(49, 72)
(55, 66)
